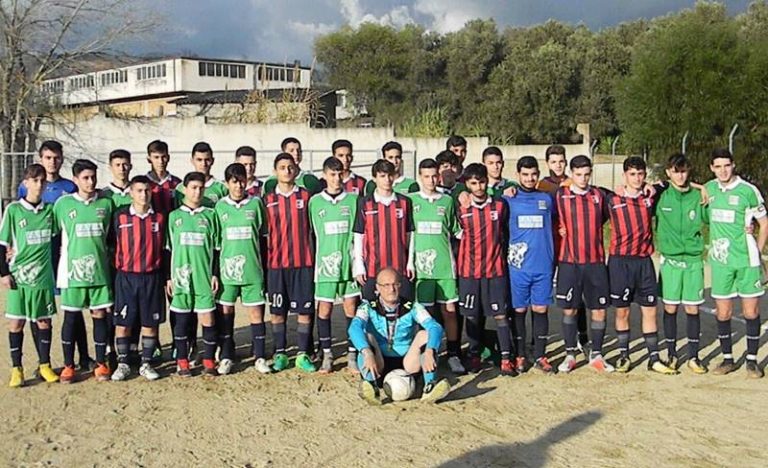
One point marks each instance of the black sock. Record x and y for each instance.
(569, 331)
(311, 335)
(623, 336)
(16, 340)
(80, 336)
(35, 329)
(180, 336)
(693, 330)
(279, 337)
(598, 333)
(226, 330)
(520, 333)
(100, 331)
(581, 323)
(453, 347)
(123, 346)
(724, 335)
(475, 329)
(541, 334)
(148, 345)
(304, 337)
(652, 343)
(192, 329)
(44, 336)
(68, 338)
(504, 337)
(209, 342)
(753, 338)
(670, 333)
(258, 337)
(324, 331)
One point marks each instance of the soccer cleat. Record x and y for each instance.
(753, 370)
(304, 363)
(327, 366)
(623, 364)
(521, 364)
(661, 368)
(182, 368)
(435, 391)
(262, 366)
(148, 372)
(46, 373)
(369, 392)
(225, 366)
(121, 373)
(475, 364)
(508, 368)
(486, 354)
(101, 372)
(542, 365)
(279, 362)
(697, 367)
(568, 364)
(352, 362)
(157, 354)
(725, 367)
(673, 362)
(454, 362)
(17, 377)
(67, 375)
(599, 364)
(209, 372)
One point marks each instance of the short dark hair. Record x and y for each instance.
(635, 162)
(245, 151)
(428, 163)
(341, 144)
(81, 165)
(391, 145)
(527, 162)
(492, 151)
(51, 145)
(289, 140)
(678, 162)
(283, 157)
(202, 147)
(455, 140)
(382, 166)
(447, 157)
(194, 176)
(580, 161)
(476, 171)
(332, 164)
(120, 154)
(235, 171)
(719, 153)
(553, 149)
(157, 146)
(140, 179)
(34, 171)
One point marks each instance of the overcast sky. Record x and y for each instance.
(283, 30)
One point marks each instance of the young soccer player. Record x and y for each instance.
(304, 179)
(735, 256)
(202, 161)
(163, 182)
(392, 151)
(291, 262)
(531, 262)
(352, 183)
(27, 228)
(457, 145)
(193, 238)
(332, 213)
(448, 167)
(246, 156)
(383, 227)
(483, 287)
(84, 276)
(242, 220)
(119, 190)
(493, 160)
(556, 163)
(141, 264)
(431, 258)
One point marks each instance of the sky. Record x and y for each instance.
(284, 30)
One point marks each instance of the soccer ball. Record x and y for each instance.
(398, 385)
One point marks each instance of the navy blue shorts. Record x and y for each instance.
(139, 298)
(633, 279)
(483, 296)
(291, 290)
(589, 281)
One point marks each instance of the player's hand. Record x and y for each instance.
(562, 231)
(649, 191)
(361, 278)
(410, 274)
(169, 288)
(7, 282)
(369, 363)
(428, 363)
(214, 284)
(750, 229)
(465, 199)
(9, 254)
(702, 191)
(510, 192)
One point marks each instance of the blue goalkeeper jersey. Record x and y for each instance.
(531, 246)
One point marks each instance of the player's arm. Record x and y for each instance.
(6, 238)
(358, 335)
(409, 237)
(434, 336)
(358, 230)
(167, 255)
(216, 253)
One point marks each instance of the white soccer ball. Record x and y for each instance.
(398, 385)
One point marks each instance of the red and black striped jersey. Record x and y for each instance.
(384, 224)
(483, 240)
(163, 192)
(139, 239)
(289, 233)
(254, 188)
(631, 224)
(582, 214)
(352, 184)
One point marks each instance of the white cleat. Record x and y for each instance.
(148, 372)
(599, 364)
(262, 366)
(568, 364)
(121, 373)
(225, 366)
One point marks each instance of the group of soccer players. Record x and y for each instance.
(459, 243)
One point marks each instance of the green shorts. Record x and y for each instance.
(728, 282)
(93, 298)
(682, 281)
(441, 291)
(197, 303)
(328, 292)
(250, 294)
(31, 304)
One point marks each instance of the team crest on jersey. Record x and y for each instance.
(425, 261)
(399, 213)
(595, 199)
(494, 215)
(101, 212)
(733, 200)
(250, 214)
(155, 227)
(234, 268)
(692, 215)
(441, 211)
(542, 205)
(321, 213)
(344, 211)
(83, 269)
(178, 222)
(299, 204)
(72, 214)
(416, 208)
(647, 202)
(330, 265)
(202, 223)
(23, 223)
(225, 217)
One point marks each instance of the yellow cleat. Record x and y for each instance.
(697, 367)
(47, 374)
(673, 363)
(661, 368)
(17, 377)
(623, 365)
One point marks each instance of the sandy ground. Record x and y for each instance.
(296, 419)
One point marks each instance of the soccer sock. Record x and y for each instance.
(148, 344)
(623, 336)
(278, 335)
(209, 342)
(541, 332)
(16, 340)
(652, 343)
(80, 336)
(504, 337)
(227, 324)
(258, 337)
(693, 330)
(670, 333)
(454, 347)
(581, 323)
(598, 333)
(44, 344)
(192, 329)
(100, 332)
(68, 338)
(753, 337)
(180, 337)
(724, 335)
(304, 336)
(569, 333)
(35, 329)
(123, 346)
(475, 327)
(520, 333)
(324, 331)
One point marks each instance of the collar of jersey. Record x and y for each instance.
(386, 200)
(77, 197)
(329, 198)
(254, 183)
(195, 211)
(278, 192)
(152, 177)
(28, 206)
(430, 198)
(352, 175)
(577, 191)
(724, 188)
(210, 182)
(487, 202)
(399, 179)
(228, 200)
(117, 189)
(150, 211)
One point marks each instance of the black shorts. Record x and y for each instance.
(575, 281)
(483, 296)
(633, 279)
(291, 290)
(139, 297)
(406, 289)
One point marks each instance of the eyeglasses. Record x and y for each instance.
(388, 285)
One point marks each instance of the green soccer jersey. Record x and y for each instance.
(119, 197)
(84, 224)
(680, 217)
(28, 231)
(193, 235)
(332, 220)
(731, 208)
(215, 190)
(435, 221)
(402, 185)
(305, 180)
(242, 223)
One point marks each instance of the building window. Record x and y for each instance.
(151, 71)
(81, 82)
(53, 87)
(221, 70)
